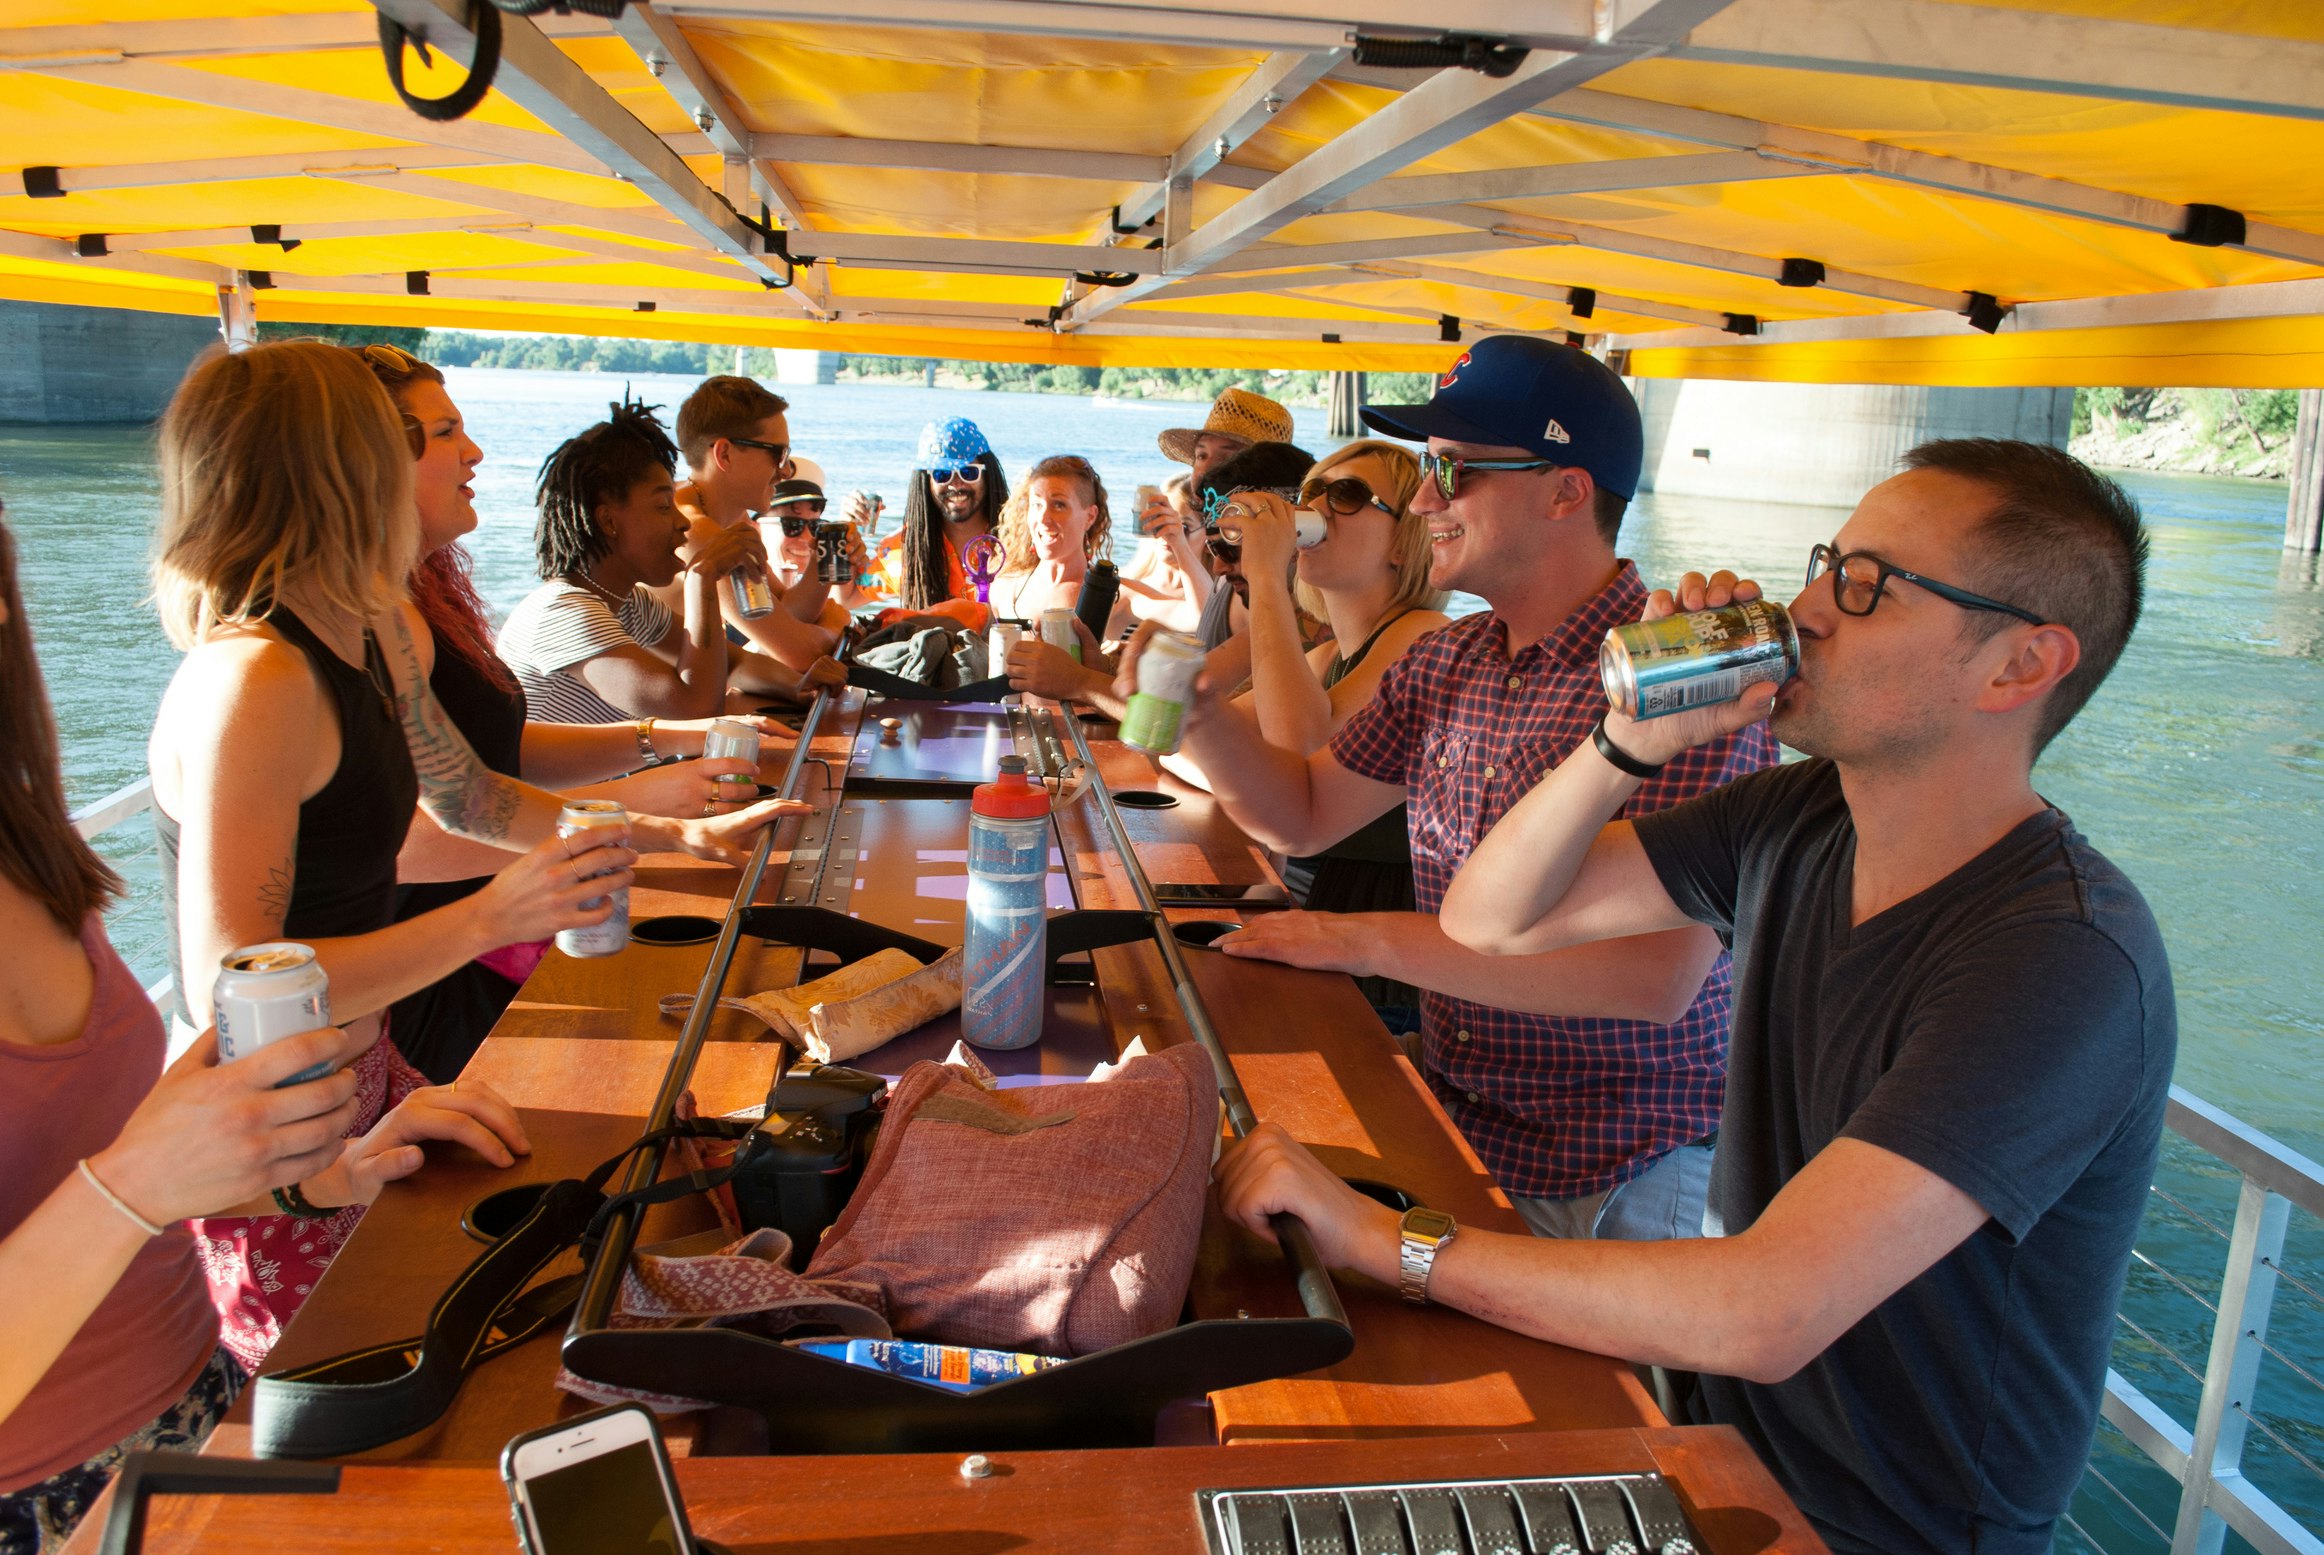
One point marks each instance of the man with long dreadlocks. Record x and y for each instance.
(591, 645)
(957, 493)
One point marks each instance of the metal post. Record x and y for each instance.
(2246, 1296)
(1347, 405)
(2304, 509)
(237, 313)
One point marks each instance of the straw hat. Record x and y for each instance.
(1235, 413)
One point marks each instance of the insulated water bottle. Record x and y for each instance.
(1008, 911)
(1099, 589)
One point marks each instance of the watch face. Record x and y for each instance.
(1433, 1224)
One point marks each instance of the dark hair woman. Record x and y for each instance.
(110, 1343)
(439, 1027)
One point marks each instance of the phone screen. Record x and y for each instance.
(612, 1504)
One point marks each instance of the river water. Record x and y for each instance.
(2199, 768)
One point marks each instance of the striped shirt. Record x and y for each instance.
(1555, 1106)
(560, 626)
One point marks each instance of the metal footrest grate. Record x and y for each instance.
(1622, 1514)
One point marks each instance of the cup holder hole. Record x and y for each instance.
(1146, 799)
(674, 929)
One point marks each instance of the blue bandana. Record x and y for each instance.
(946, 444)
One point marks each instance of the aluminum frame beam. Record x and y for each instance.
(1414, 193)
(934, 156)
(211, 36)
(1834, 153)
(537, 76)
(2025, 51)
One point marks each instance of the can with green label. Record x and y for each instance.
(1166, 672)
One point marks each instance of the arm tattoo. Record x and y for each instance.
(274, 897)
(465, 797)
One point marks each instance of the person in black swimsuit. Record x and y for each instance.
(439, 1027)
(290, 748)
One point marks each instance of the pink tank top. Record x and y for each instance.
(145, 1344)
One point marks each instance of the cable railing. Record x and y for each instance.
(2204, 1456)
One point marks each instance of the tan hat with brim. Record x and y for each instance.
(1235, 413)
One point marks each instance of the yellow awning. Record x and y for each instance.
(1905, 191)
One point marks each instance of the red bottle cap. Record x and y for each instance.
(1010, 795)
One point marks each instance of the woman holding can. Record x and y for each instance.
(1050, 533)
(439, 1027)
(111, 1344)
(289, 750)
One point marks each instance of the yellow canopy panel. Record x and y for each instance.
(1905, 191)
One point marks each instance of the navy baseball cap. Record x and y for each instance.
(1519, 391)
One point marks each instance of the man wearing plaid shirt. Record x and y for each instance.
(1589, 1081)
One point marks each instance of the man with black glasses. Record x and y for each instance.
(1588, 1080)
(1954, 1025)
(737, 443)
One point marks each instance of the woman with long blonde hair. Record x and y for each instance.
(1051, 530)
(290, 748)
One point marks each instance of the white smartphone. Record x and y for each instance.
(596, 1485)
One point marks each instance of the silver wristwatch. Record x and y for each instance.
(1426, 1231)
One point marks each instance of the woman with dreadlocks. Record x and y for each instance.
(957, 493)
(590, 645)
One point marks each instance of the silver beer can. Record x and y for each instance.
(598, 939)
(1653, 668)
(998, 640)
(753, 595)
(1057, 630)
(265, 993)
(727, 739)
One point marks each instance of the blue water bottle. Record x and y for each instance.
(1008, 911)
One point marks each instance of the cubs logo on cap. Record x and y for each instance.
(1520, 391)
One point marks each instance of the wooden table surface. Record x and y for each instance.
(583, 1048)
(1073, 1503)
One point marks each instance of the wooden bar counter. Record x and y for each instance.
(584, 1049)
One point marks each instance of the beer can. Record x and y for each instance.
(1652, 668)
(754, 596)
(1057, 630)
(598, 939)
(1166, 672)
(998, 640)
(831, 550)
(265, 993)
(727, 739)
(1307, 528)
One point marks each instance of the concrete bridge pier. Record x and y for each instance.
(65, 365)
(2304, 510)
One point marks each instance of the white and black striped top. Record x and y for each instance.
(560, 626)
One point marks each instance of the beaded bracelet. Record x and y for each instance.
(291, 1201)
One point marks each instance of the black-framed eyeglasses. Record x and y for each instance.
(1447, 470)
(1343, 498)
(780, 451)
(1860, 578)
(797, 524)
(965, 474)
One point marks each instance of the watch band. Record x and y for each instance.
(1618, 758)
(1425, 1233)
(645, 742)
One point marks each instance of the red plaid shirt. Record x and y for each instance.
(1556, 1107)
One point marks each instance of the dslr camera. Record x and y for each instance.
(796, 1169)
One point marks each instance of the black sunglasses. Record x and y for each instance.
(781, 451)
(1858, 595)
(1344, 497)
(797, 524)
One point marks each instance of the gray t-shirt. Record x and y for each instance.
(560, 626)
(2011, 1029)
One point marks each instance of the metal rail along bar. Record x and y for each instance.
(602, 1281)
(1317, 1294)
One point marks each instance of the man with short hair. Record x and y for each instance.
(1588, 1080)
(1954, 1026)
(737, 444)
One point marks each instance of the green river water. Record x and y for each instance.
(2199, 768)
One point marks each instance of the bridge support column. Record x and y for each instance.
(2304, 511)
(1347, 399)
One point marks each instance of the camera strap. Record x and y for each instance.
(368, 1397)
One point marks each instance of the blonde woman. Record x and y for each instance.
(290, 748)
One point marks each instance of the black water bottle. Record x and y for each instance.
(1098, 592)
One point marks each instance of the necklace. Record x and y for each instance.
(616, 601)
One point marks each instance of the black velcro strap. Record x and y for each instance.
(992, 688)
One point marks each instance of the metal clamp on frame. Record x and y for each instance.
(1317, 1294)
